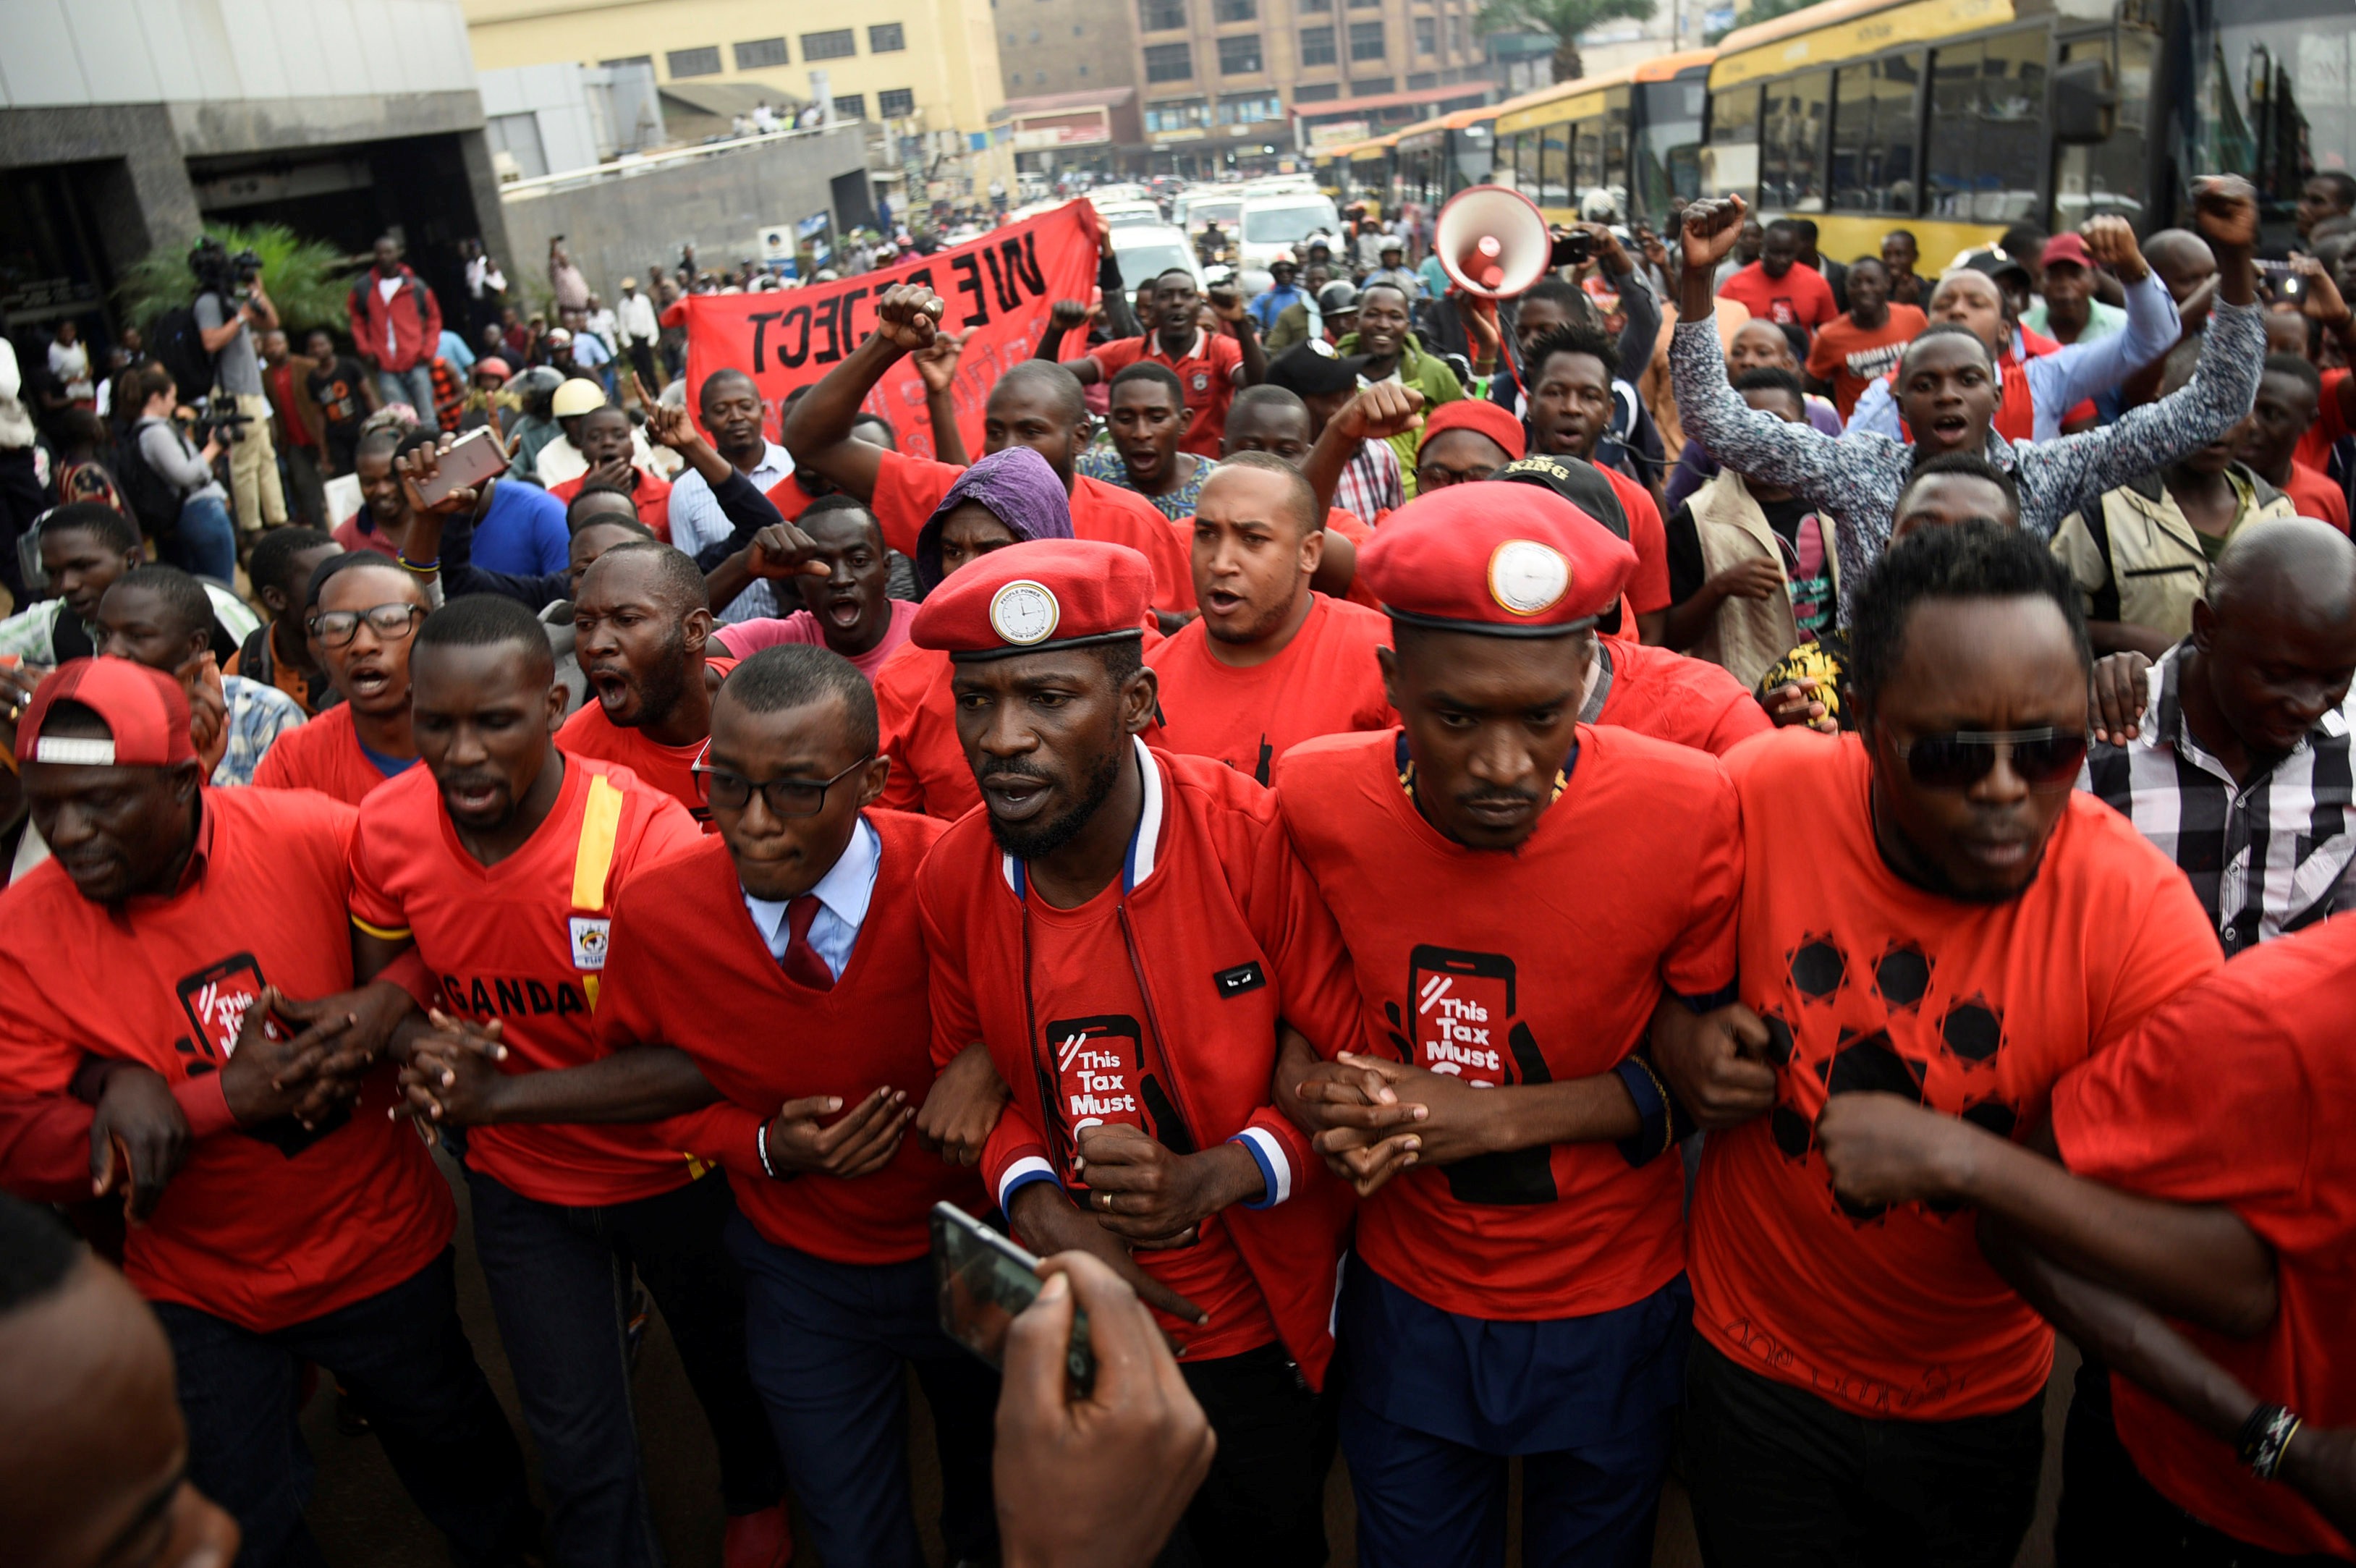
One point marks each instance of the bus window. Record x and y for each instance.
(1554, 165)
(2107, 179)
(1586, 158)
(1615, 153)
(1668, 135)
(1873, 135)
(1730, 165)
(1526, 163)
(1988, 133)
(2273, 99)
(1792, 175)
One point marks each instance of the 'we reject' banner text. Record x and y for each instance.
(1001, 285)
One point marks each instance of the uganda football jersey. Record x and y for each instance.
(1503, 969)
(1868, 982)
(524, 942)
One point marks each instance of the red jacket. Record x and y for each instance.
(414, 317)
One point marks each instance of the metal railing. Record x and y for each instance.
(630, 165)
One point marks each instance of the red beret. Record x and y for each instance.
(1035, 596)
(1479, 414)
(1507, 560)
(145, 713)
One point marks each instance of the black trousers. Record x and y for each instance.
(2112, 1518)
(404, 1360)
(1263, 1504)
(1782, 1479)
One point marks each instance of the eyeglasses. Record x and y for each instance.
(1432, 477)
(335, 627)
(2044, 758)
(726, 791)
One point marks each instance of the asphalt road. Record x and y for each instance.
(363, 1519)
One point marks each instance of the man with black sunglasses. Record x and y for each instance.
(364, 613)
(1930, 910)
(796, 932)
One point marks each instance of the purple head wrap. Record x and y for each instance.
(1020, 489)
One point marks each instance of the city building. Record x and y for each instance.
(123, 130)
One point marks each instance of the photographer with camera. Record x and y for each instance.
(188, 514)
(231, 308)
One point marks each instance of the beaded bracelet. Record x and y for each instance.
(2265, 1437)
(422, 568)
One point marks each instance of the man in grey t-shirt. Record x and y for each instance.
(228, 324)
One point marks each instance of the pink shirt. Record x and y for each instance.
(747, 637)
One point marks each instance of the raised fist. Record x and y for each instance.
(2225, 208)
(909, 315)
(1067, 314)
(1711, 227)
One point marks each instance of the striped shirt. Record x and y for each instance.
(2264, 857)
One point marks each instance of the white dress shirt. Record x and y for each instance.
(842, 894)
(697, 524)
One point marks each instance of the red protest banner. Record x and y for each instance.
(1001, 285)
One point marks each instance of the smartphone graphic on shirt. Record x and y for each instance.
(215, 1000)
(1464, 1026)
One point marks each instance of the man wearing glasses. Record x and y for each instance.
(364, 612)
(818, 1050)
(641, 629)
(1930, 911)
(498, 864)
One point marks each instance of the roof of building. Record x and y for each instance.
(1054, 102)
(1343, 106)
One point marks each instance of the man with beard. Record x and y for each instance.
(497, 864)
(731, 412)
(363, 617)
(1035, 404)
(1269, 663)
(1517, 1282)
(846, 606)
(1127, 933)
(1210, 365)
(1147, 412)
(642, 632)
(85, 546)
(605, 434)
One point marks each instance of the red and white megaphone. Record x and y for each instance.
(1492, 241)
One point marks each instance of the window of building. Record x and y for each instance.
(1417, 81)
(1455, 33)
(1177, 115)
(1367, 40)
(886, 39)
(1084, 70)
(1318, 92)
(895, 102)
(1427, 35)
(1235, 10)
(1873, 135)
(1240, 56)
(694, 62)
(1365, 86)
(1169, 62)
(1161, 16)
(1076, 29)
(1792, 167)
(1251, 110)
(647, 60)
(1326, 6)
(850, 106)
(840, 43)
(759, 54)
(1316, 46)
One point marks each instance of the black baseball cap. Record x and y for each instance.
(1313, 370)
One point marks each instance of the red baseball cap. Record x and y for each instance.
(1036, 597)
(144, 709)
(1478, 414)
(2067, 247)
(1504, 560)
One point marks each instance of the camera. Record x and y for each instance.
(1573, 249)
(219, 418)
(219, 272)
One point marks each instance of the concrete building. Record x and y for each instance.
(124, 128)
(927, 68)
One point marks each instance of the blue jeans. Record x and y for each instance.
(206, 543)
(403, 1358)
(413, 386)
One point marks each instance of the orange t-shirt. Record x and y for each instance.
(1867, 982)
(908, 490)
(1850, 356)
(1325, 682)
(589, 733)
(323, 755)
(1672, 697)
(652, 497)
(524, 941)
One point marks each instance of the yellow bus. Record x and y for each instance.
(1630, 139)
(1440, 158)
(1955, 119)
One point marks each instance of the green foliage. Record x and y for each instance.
(1758, 11)
(305, 278)
(1565, 19)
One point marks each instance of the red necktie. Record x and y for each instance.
(801, 962)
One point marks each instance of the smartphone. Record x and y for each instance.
(984, 1279)
(471, 459)
(2280, 276)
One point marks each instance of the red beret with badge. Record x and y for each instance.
(1500, 560)
(1036, 597)
(146, 716)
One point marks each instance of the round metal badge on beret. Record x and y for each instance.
(1527, 577)
(1024, 612)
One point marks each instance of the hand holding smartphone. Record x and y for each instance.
(464, 464)
(985, 1281)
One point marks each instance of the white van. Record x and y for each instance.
(1273, 223)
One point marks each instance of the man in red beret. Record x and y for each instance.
(1128, 932)
(1518, 1283)
(1463, 441)
(1269, 662)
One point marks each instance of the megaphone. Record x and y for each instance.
(1491, 242)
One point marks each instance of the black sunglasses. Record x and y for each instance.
(2045, 759)
(786, 797)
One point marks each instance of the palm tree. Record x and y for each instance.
(1564, 20)
(302, 275)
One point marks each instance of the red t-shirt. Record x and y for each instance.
(349, 534)
(1352, 527)
(1461, 961)
(2239, 1092)
(1231, 938)
(1850, 357)
(1648, 590)
(1206, 372)
(525, 942)
(1867, 982)
(589, 733)
(747, 637)
(2317, 496)
(1325, 682)
(652, 497)
(908, 490)
(324, 754)
(690, 970)
(1800, 295)
(265, 1226)
(1666, 695)
(2330, 424)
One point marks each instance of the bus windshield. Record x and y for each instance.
(2275, 99)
